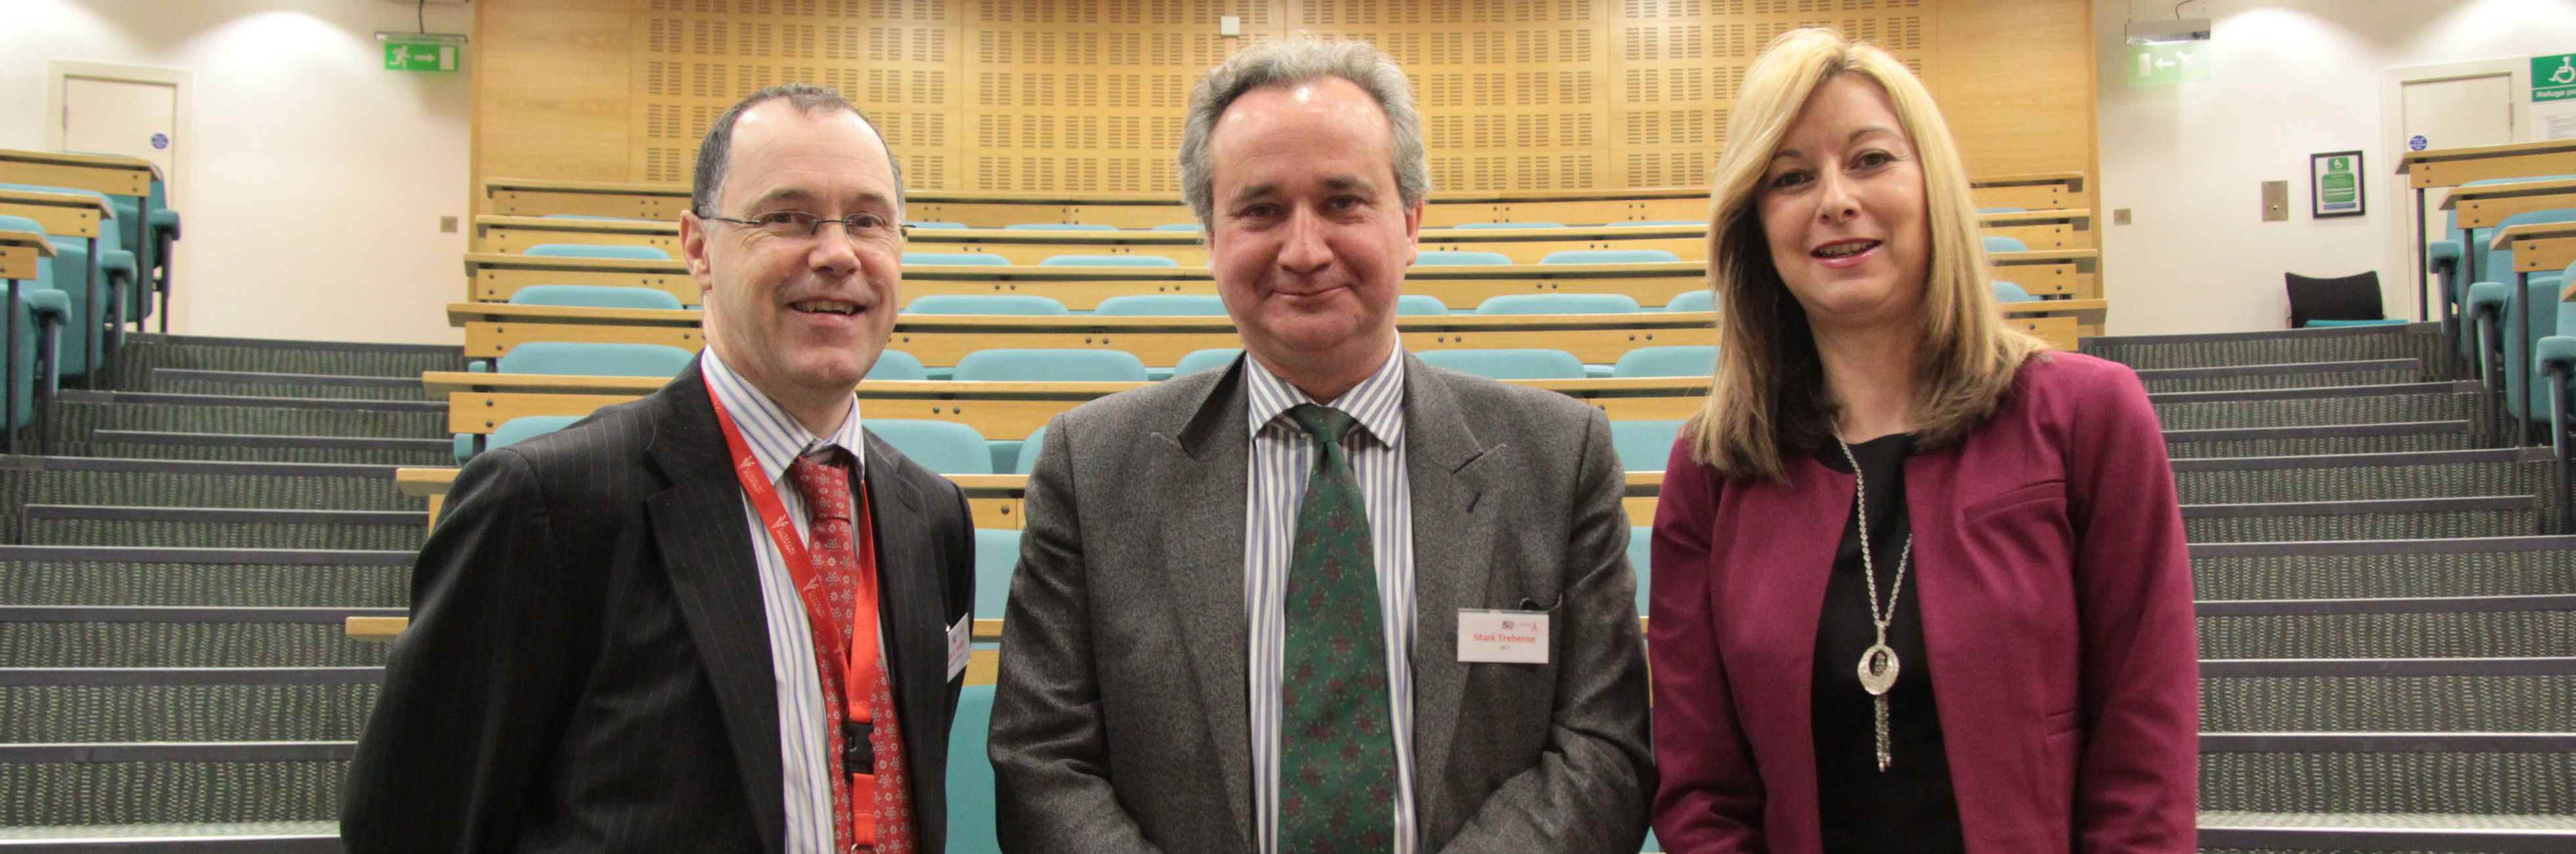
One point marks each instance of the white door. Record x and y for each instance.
(2460, 112)
(125, 117)
(2453, 113)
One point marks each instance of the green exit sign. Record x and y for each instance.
(420, 56)
(2168, 63)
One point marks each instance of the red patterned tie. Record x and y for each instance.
(845, 572)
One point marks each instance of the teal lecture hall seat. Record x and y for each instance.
(1107, 261)
(1609, 256)
(595, 296)
(1458, 258)
(1024, 305)
(1050, 365)
(1558, 304)
(970, 259)
(588, 250)
(1162, 305)
(1517, 363)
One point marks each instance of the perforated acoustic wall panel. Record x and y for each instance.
(1086, 96)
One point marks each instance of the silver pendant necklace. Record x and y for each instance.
(1878, 664)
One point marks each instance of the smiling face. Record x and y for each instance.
(1843, 209)
(1310, 238)
(801, 317)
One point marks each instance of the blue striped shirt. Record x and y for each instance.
(1282, 458)
(777, 439)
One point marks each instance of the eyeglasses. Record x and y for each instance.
(793, 224)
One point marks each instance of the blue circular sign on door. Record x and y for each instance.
(2416, 142)
(162, 140)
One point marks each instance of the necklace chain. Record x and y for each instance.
(1879, 665)
(1869, 569)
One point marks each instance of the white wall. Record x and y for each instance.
(2289, 78)
(316, 178)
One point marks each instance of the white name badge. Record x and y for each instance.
(960, 650)
(1502, 637)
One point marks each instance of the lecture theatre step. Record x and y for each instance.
(2365, 477)
(2407, 404)
(26, 480)
(76, 415)
(2369, 438)
(183, 636)
(220, 527)
(2282, 346)
(254, 447)
(245, 837)
(186, 704)
(2399, 519)
(266, 384)
(122, 575)
(146, 353)
(2291, 375)
(173, 782)
(2241, 830)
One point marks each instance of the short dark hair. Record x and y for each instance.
(716, 152)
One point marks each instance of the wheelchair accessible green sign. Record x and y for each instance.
(2553, 78)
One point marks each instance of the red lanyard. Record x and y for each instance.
(856, 645)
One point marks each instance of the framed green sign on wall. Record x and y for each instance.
(2335, 185)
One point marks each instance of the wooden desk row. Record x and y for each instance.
(532, 197)
(481, 402)
(493, 277)
(21, 255)
(492, 330)
(2433, 169)
(2539, 248)
(2040, 230)
(994, 500)
(2487, 205)
(114, 175)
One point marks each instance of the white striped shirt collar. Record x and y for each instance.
(777, 438)
(1377, 403)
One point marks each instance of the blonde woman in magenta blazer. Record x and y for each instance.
(2024, 546)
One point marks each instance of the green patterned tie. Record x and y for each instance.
(1336, 755)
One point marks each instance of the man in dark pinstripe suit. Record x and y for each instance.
(611, 645)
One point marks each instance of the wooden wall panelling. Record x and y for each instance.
(896, 59)
(1512, 92)
(1087, 96)
(1679, 63)
(551, 93)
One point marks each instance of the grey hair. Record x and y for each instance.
(715, 153)
(1288, 62)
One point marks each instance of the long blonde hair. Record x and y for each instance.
(1770, 395)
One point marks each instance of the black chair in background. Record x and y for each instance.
(2342, 301)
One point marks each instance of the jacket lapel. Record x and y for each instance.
(707, 549)
(1201, 469)
(911, 604)
(1453, 537)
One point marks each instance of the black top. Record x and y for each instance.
(1910, 806)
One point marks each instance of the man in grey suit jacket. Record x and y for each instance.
(608, 651)
(1164, 684)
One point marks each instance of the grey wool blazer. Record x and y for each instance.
(1121, 718)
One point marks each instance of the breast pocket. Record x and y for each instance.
(2020, 548)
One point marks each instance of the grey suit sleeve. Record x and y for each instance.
(1590, 790)
(1049, 748)
(478, 685)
